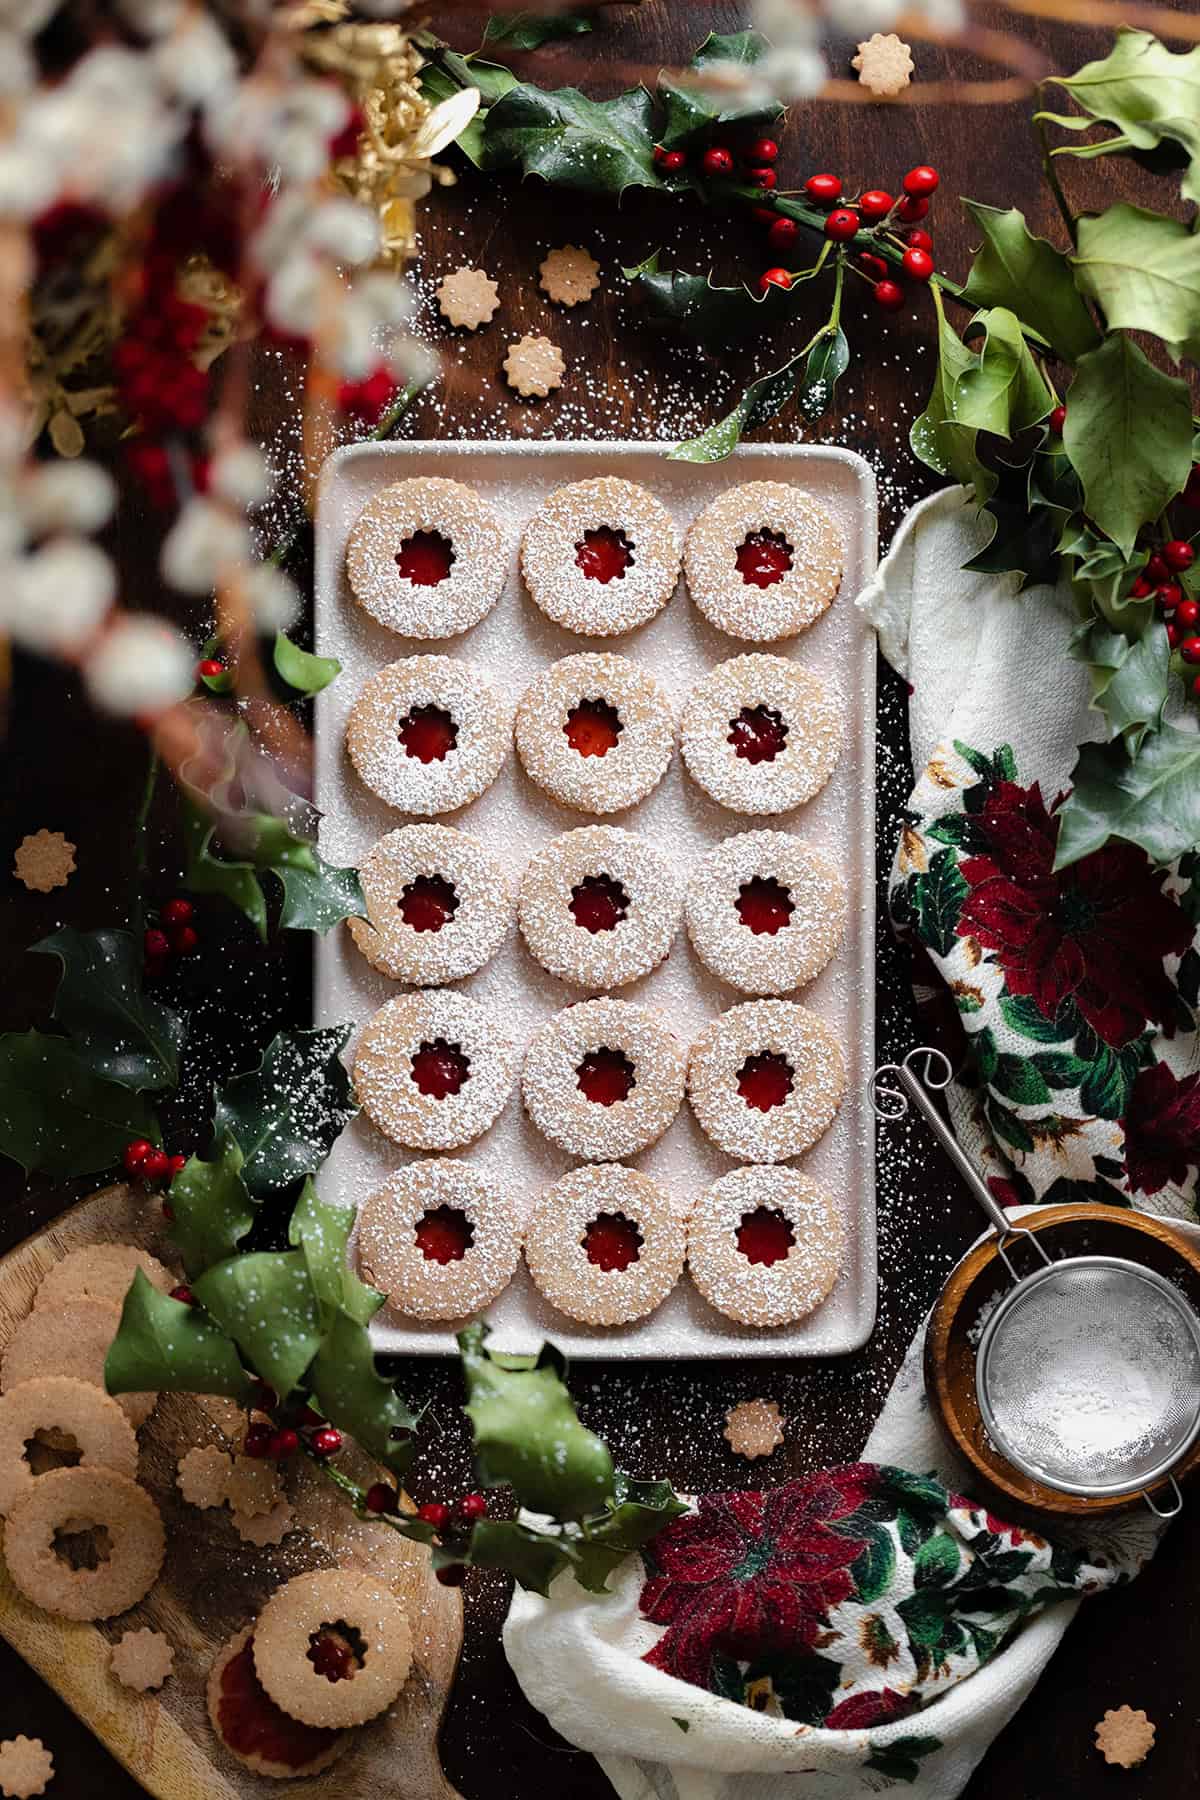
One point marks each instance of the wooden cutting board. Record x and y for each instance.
(212, 1584)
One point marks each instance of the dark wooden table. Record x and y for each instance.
(71, 770)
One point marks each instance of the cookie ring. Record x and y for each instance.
(427, 735)
(760, 734)
(90, 1496)
(596, 732)
(434, 1070)
(618, 531)
(603, 1079)
(438, 905)
(399, 544)
(102, 1434)
(100, 1272)
(790, 588)
(471, 1221)
(332, 1597)
(233, 1685)
(609, 1211)
(764, 912)
(599, 906)
(766, 1080)
(72, 1339)
(780, 1281)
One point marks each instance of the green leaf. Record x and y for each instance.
(1059, 1070)
(118, 1033)
(57, 1115)
(1008, 1127)
(694, 110)
(936, 1561)
(760, 402)
(307, 673)
(937, 898)
(1004, 392)
(527, 1433)
(286, 1113)
(165, 1344)
(638, 1512)
(446, 73)
(900, 1759)
(265, 1302)
(1129, 679)
(317, 899)
(1023, 543)
(1152, 799)
(1148, 93)
(696, 307)
(874, 1567)
(213, 1210)
(1017, 270)
(1143, 270)
(1019, 1080)
(355, 1396)
(937, 439)
(321, 1233)
(209, 873)
(1026, 1017)
(827, 362)
(534, 1557)
(530, 30)
(1128, 433)
(587, 146)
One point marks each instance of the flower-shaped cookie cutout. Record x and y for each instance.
(467, 297)
(253, 1487)
(203, 1475)
(569, 275)
(44, 861)
(1125, 1737)
(25, 1767)
(755, 1428)
(142, 1660)
(534, 365)
(265, 1528)
(884, 65)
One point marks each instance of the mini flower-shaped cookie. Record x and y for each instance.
(25, 1767)
(142, 1660)
(569, 275)
(203, 1475)
(884, 65)
(468, 298)
(534, 365)
(753, 1429)
(44, 861)
(1125, 1737)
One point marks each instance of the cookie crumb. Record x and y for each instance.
(44, 861)
(203, 1476)
(534, 365)
(884, 65)
(1125, 1737)
(25, 1767)
(569, 275)
(467, 297)
(265, 1528)
(142, 1659)
(753, 1429)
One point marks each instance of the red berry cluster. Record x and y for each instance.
(368, 400)
(288, 1430)
(144, 1161)
(719, 163)
(158, 383)
(174, 935)
(453, 1522)
(1160, 579)
(844, 219)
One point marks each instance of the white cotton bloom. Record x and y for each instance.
(794, 74)
(272, 600)
(143, 665)
(344, 231)
(151, 18)
(18, 72)
(859, 18)
(26, 16)
(411, 361)
(786, 23)
(389, 296)
(54, 599)
(203, 545)
(293, 295)
(196, 62)
(68, 496)
(241, 476)
(29, 181)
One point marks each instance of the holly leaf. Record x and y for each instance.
(1148, 92)
(530, 30)
(1151, 799)
(1128, 433)
(307, 673)
(286, 1113)
(264, 1301)
(118, 1033)
(691, 110)
(212, 1207)
(354, 1395)
(937, 438)
(760, 402)
(1026, 274)
(1003, 391)
(164, 1344)
(58, 1115)
(321, 1233)
(319, 898)
(1143, 270)
(588, 146)
(207, 872)
(532, 1556)
(446, 73)
(708, 314)
(527, 1434)
(827, 362)
(1023, 542)
(635, 1515)
(1129, 677)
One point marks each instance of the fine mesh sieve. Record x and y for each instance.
(1088, 1370)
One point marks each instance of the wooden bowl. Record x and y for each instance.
(954, 1327)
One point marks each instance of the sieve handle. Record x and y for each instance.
(1165, 1512)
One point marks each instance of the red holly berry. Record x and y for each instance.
(309, 1418)
(177, 1165)
(472, 1507)
(875, 203)
(773, 278)
(176, 912)
(889, 295)
(673, 161)
(210, 667)
(917, 265)
(264, 1397)
(435, 1514)
(841, 224)
(911, 209)
(184, 940)
(765, 215)
(762, 178)
(762, 150)
(1189, 649)
(1179, 554)
(367, 400)
(135, 1154)
(381, 1497)
(659, 154)
(1157, 570)
(920, 240)
(183, 1294)
(1057, 419)
(783, 235)
(257, 1441)
(326, 1442)
(156, 1166)
(284, 1443)
(921, 181)
(155, 944)
(1172, 633)
(1168, 595)
(168, 1211)
(874, 265)
(1141, 588)
(453, 1575)
(824, 189)
(717, 161)
(1196, 686)
(1186, 614)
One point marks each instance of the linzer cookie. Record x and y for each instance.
(601, 556)
(361, 1637)
(596, 732)
(74, 1501)
(766, 1079)
(599, 906)
(101, 1272)
(428, 734)
(99, 1430)
(763, 561)
(434, 1070)
(765, 1246)
(438, 905)
(760, 734)
(764, 912)
(603, 1079)
(605, 1244)
(426, 558)
(253, 1729)
(72, 1339)
(440, 1239)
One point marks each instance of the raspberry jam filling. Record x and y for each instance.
(332, 1652)
(428, 903)
(765, 1081)
(425, 558)
(612, 1241)
(604, 555)
(764, 558)
(440, 1069)
(252, 1725)
(444, 1235)
(599, 903)
(764, 906)
(428, 733)
(758, 734)
(605, 1076)
(592, 728)
(764, 1235)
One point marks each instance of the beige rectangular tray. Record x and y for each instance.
(510, 646)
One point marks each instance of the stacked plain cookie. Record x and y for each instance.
(599, 907)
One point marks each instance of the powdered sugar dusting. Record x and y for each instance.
(391, 1260)
(562, 590)
(810, 710)
(482, 727)
(469, 938)
(786, 606)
